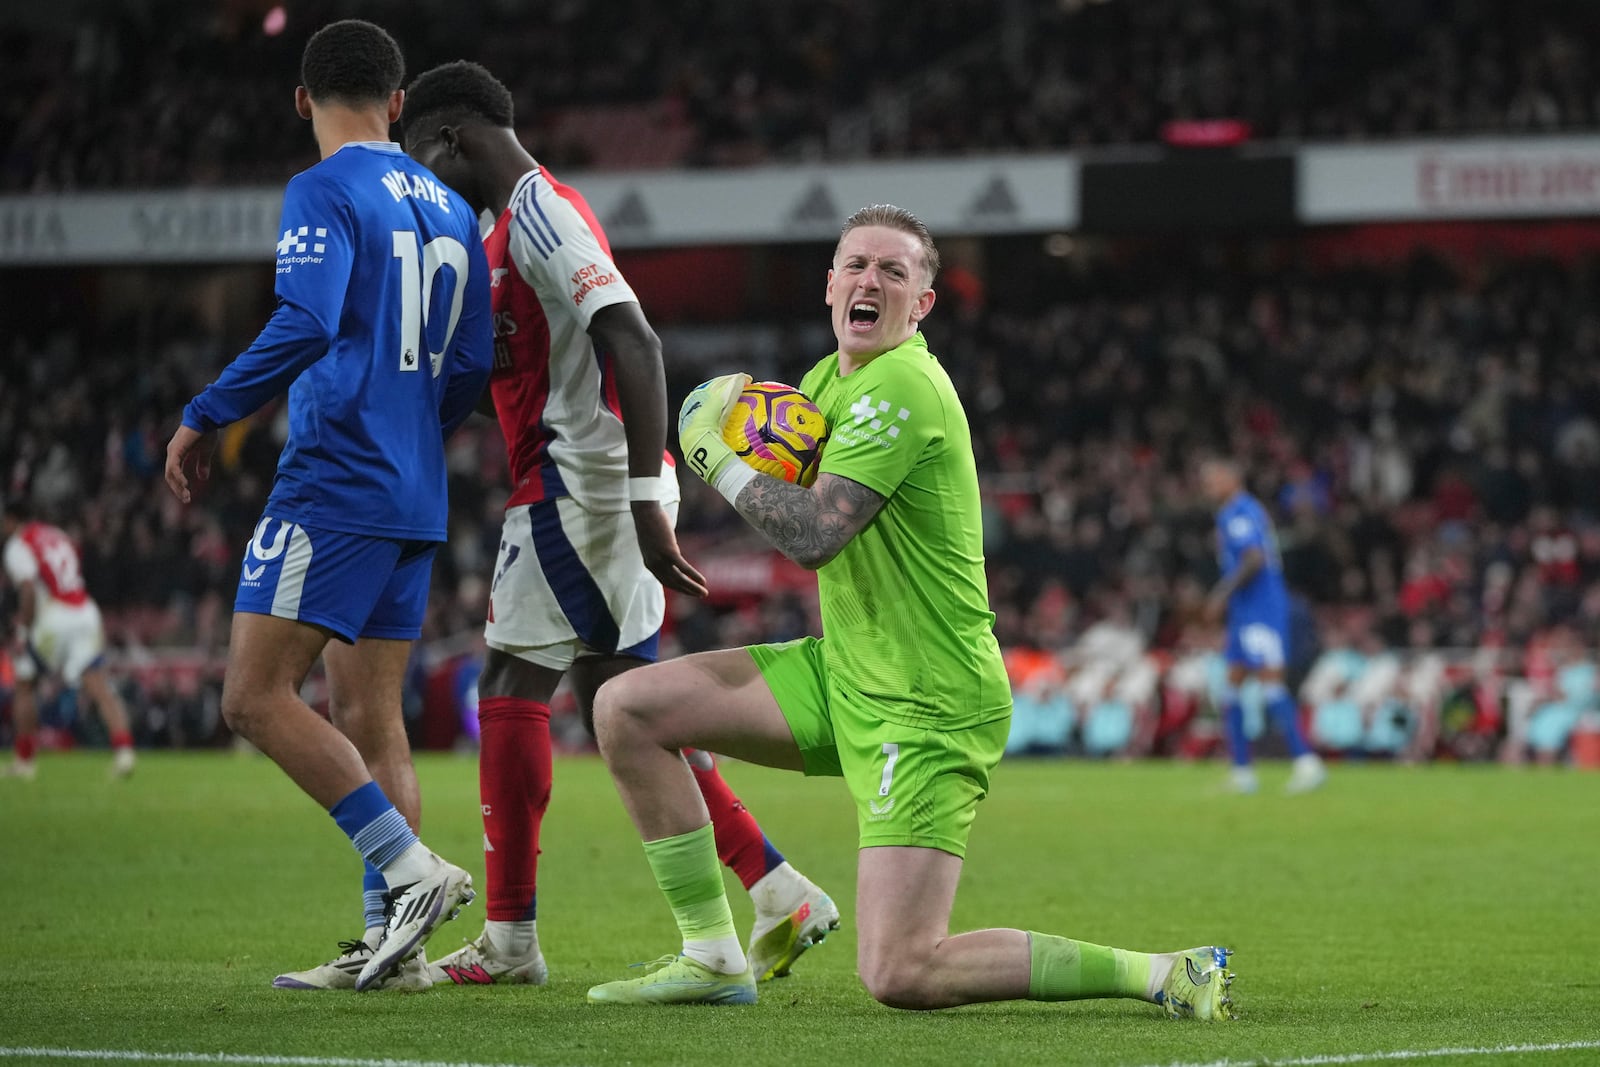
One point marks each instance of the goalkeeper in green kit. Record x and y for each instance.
(905, 696)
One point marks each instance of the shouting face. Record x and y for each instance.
(878, 290)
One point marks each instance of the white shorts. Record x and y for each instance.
(65, 640)
(570, 582)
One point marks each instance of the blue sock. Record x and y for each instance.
(772, 857)
(1233, 730)
(374, 891)
(1284, 712)
(378, 831)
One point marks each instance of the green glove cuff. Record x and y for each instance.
(705, 451)
(709, 456)
(700, 421)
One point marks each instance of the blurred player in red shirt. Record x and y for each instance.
(58, 631)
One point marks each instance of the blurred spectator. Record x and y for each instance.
(1563, 685)
(1041, 713)
(1340, 391)
(100, 96)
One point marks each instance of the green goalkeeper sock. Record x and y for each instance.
(1063, 969)
(690, 876)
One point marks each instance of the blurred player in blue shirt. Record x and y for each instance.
(1255, 600)
(382, 337)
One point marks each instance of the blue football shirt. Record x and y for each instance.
(1242, 524)
(383, 337)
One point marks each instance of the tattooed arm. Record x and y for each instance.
(809, 526)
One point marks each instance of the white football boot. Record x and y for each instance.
(341, 971)
(415, 912)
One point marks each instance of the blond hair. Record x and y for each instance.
(894, 218)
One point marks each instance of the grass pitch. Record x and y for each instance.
(1398, 910)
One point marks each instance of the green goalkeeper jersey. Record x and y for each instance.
(905, 605)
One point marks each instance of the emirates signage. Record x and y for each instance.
(1523, 178)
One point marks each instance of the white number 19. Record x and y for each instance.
(416, 294)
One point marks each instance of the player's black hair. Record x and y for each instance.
(351, 62)
(456, 92)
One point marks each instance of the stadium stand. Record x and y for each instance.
(1426, 434)
(1422, 422)
(101, 97)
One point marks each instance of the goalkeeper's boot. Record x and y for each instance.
(1198, 986)
(341, 971)
(480, 963)
(414, 913)
(779, 939)
(678, 980)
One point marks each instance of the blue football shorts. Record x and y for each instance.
(1256, 645)
(352, 584)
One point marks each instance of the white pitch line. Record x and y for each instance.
(1324, 1060)
(1334, 1059)
(139, 1056)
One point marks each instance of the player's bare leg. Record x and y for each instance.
(792, 913)
(643, 719)
(268, 658)
(908, 959)
(712, 700)
(25, 722)
(589, 673)
(365, 691)
(905, 955)
(364, 702)
(114, 713)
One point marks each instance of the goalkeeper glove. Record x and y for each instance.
(700, 422)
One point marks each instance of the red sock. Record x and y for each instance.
(122, 739)
(24, 746)
(514, 788)
(740, 843)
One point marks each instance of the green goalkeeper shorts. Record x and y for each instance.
(912, 785)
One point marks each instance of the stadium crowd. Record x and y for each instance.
(1426, 437)
(109, 98)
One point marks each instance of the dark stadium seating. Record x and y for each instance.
(171, 93)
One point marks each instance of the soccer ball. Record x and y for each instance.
(775, 429)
